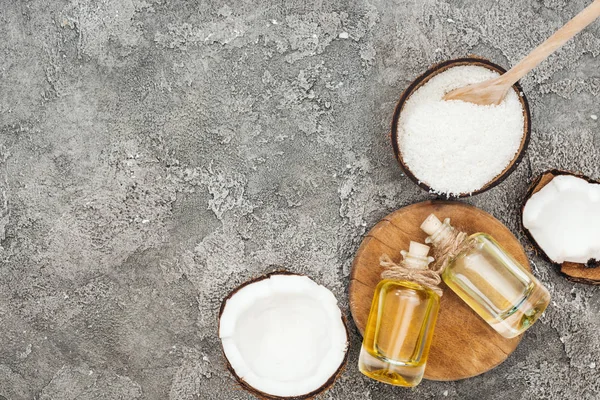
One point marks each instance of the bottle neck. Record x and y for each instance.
(413, 268)
(446, 237)
(414, 261)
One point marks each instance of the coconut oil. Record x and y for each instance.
(400, 328)
(500, 290)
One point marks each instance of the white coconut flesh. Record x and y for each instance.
(284, 335)
(564, 219)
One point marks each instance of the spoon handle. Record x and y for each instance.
(550, 45)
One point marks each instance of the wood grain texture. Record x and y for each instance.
(464, 345)
(575, 272)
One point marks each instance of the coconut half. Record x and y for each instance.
(283, 336)
(561, 215)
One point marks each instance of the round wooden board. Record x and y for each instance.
(464, 345)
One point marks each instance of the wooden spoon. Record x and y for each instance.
(493, 91)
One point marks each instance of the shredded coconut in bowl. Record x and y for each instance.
(453, 146)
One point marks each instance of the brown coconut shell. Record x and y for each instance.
(589, 272)
(261, 395)
(423, 79)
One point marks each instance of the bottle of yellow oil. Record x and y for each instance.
(507, 296)
(400, 326)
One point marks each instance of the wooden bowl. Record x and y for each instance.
(423, 79)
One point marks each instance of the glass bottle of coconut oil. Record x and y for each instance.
(400, 326)
(488, 279)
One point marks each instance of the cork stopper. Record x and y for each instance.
(413, 268)
(431, 224)
(417, 249)
(416, 256)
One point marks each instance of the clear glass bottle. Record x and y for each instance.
(489, 280)
(400, 326)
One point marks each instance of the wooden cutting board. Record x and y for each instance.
(464, 345)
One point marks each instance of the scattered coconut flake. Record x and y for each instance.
(594, 117)
(564, 219)
(457, 147)
(344, 35)
(283, 335)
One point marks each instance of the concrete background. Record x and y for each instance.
(156, 154)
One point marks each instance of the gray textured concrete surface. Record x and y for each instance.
(156, 154)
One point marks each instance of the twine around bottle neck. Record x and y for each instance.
(447, 243)
(403, 271)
